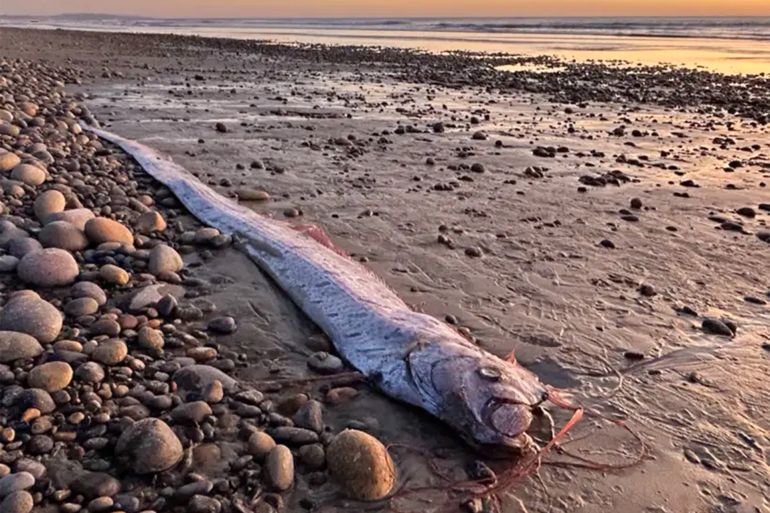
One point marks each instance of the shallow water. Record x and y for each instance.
(735, 51)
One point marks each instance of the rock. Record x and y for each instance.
(49, 202)
(150, 222)
(81, 306)
(224, 325)
(310, 416)
(151, 295)
(203, 504)
(325, 363)
(17, 502)
(151, 339)
(76, 216)
(18, 346)
(50, 376)
(95, 484)
(279, 466)
(51, 267)
(29, 174)
(8, 161)
(164, 259)
(191, 413)
(114, 275)
(15, 483)
(23, 246)
(360, 465)
(33, 316)
(312, 456)
(716, 327)
(252, 195)
(148, 446)
(90, 372)
(88, 289)
(36, 398)
(196, 378)
(8, 263)
(102, 229)
(260, 444)
(110, 352)
(294, 435)
(63, 235)
(9, 129)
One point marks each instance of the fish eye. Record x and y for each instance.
(490, 373)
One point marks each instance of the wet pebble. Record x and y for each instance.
(361, 465)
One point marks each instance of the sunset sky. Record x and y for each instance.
(391, 8)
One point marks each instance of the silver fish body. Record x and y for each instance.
(410, 356)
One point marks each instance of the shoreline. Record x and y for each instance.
(597, 239)
(585, 48)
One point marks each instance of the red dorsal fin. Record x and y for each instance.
(318, 234)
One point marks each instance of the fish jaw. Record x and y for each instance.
(487, 400)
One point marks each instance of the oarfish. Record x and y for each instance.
(409, 356)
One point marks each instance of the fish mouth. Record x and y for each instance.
(507, 417)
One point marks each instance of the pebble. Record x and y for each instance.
(325, 363)
(310, 416)
(114, 275)
(17, 502)
(49, 202)
(150, 222)
(203, 504)
(18, 346)
(8, 263)
(51, 267)
(151, 339)
(81, 306)
(23, 245)
(77, 217)
(294, 435)
(279, 466)
(90, 372)
(361, 465)
(148, 446)
(50, 376)
(8, 161)
(260, 444)
(197, 378)
(36, 398)
(16, 482)
(224, 325)
(95, 484)
(164, 259)
(191, 413)
(29, 174)
(716, 327)
(110, 352)
(33, 316)
(103, 229)
(252, 195)
(63, 235)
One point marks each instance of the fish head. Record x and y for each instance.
(487, 400)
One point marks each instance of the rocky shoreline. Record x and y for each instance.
(608, 224)
(115, 389)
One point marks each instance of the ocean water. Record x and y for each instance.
(723, 44)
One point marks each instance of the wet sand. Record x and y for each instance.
(495, 220)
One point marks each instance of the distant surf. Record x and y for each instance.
(755, 28)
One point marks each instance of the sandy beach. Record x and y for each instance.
(608, 225)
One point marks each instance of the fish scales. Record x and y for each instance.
(410, 356)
